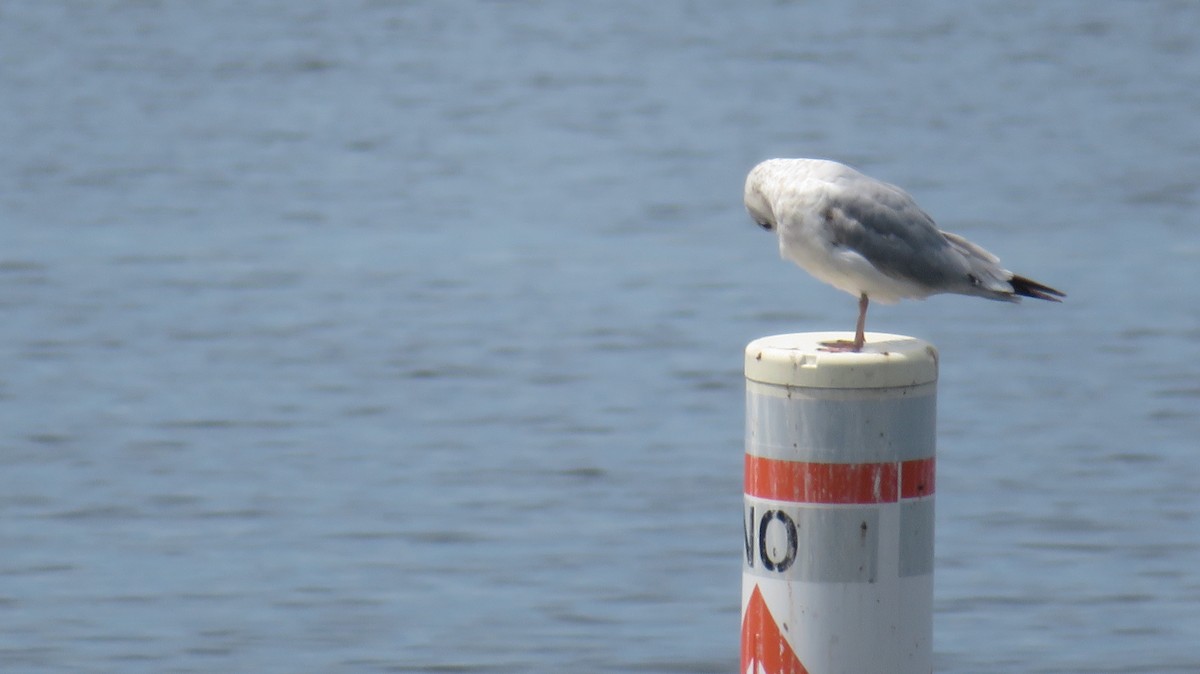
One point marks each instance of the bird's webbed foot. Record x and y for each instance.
(841, 346)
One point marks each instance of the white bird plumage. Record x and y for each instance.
(870, 239)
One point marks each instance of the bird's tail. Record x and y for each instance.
(1029, 288)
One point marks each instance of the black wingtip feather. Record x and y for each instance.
(1029, 288)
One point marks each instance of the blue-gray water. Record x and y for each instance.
(373, 336)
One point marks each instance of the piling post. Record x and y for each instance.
(838, 515)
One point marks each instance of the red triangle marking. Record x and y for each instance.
(763, 643)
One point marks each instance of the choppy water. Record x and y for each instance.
(380, 336)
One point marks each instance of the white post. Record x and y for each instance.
(839, 481)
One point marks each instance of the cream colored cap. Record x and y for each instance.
(798, 360)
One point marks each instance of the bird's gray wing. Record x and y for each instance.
(884, 225)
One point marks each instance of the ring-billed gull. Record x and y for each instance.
(871, 240)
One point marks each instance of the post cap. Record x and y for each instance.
(798, 360)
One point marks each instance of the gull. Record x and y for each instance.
(870, 239)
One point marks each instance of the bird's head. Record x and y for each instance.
(757, 204)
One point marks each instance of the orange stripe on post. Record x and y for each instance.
(917, 478)
(806, 482)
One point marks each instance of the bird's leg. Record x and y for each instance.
(859, 337)
(841, 345)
